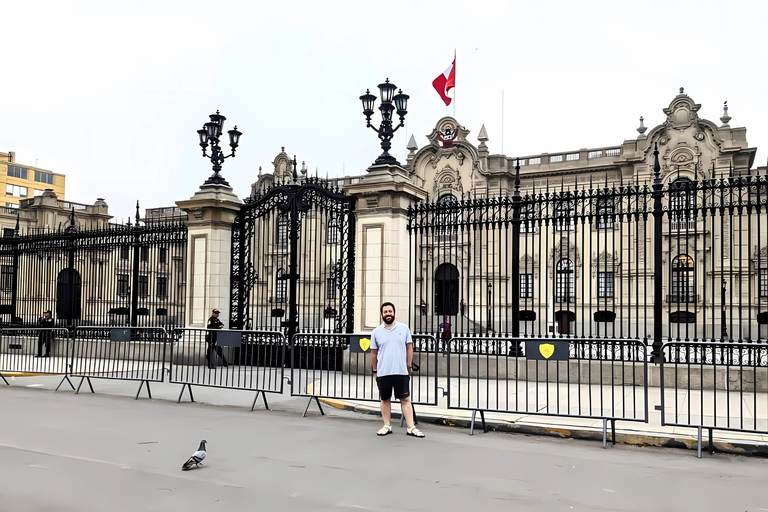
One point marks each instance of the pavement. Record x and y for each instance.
(636, 433)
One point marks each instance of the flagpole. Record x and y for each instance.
(454, 83)
(502, 121)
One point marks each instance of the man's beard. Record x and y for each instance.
(388, 319)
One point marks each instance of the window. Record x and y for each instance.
(143, 286)
(9, 232)
(281, 287)
(526, 286)
(681, 205)
(282, 229)
(570, 157)
(605, 213)
(17, 172)
(162, 255)
(122, 284)
(534, 161)
(11, 205)
(124, 252)
(604, 285)
(556, 158)
(44, 177)
(565, 215)
(15, 190)
(6, 277)
(37, 193)
(595, 154)
(331, 287)
(565, 281)
(682, 279)
(145, 254)
(162, 287)
(332, 235)
(447, 216)
(763, 282)
(528, 214)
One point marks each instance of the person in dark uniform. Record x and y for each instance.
(210, 338)
(44, 337)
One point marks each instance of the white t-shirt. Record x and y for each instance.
(391, 349)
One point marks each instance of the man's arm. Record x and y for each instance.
(409, 356)
(375, 359)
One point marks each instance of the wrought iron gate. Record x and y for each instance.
(293, 259)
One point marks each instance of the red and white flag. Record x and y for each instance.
(446, 81)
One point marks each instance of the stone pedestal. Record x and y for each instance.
(209, 252)
(382, 244)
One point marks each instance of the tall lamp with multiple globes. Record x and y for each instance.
(389, 102)
(210, 134)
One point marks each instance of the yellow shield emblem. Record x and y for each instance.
(547, 349)
(365, 344)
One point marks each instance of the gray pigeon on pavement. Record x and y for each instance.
(197, 458)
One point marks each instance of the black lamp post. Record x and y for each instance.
(210, 134)
(389, 102)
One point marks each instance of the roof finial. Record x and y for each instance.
(641, 129)
(726, 118)
(259, 171)
(137, 213)
(681, 91)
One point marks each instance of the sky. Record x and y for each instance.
(111, 94)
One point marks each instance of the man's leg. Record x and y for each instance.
(386, 411)
(407, 407)
(39, 347)
(221, 354)
(208, 356)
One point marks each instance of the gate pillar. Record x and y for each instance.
(211, 212)
(382, 256)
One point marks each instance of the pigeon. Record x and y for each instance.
(196, 458)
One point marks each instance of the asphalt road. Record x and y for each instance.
(107, 452)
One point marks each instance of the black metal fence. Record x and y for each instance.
(681, 259)
(130, 275)
(248, 360)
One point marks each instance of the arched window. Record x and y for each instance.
(683, 280)
(528, 215)
(565, 290)
(681, 205)
(333, 232)
(281, 286)
(282, 229)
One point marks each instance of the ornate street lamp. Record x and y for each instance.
(389, 102)
(210, 134)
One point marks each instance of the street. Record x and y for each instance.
(106, 451)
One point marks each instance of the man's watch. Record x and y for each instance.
(374, 371)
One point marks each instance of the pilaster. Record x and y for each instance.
(211, 212)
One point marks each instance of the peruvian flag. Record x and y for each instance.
(446, 81)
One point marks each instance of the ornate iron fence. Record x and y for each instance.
(679, 259)
(120, 275)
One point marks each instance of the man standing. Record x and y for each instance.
(44, 336)
(210, 338)
(391, 360)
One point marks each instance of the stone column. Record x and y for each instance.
(211, 212)
(382, 243)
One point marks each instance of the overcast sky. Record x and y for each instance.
(111, 93)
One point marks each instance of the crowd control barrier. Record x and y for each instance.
(119, 353)
(715, 386)
(232, 359)
(338, 366)
(35, 350)
(602, 379)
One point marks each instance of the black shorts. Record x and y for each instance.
(400, 383)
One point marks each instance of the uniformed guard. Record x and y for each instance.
(44, 336)
(210, 338)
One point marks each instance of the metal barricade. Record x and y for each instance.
(35, 351)
(119, 353)
(605, 379)
(338, 366)
(715, 386)
(233, 359)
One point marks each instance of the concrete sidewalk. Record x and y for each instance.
(752, 407)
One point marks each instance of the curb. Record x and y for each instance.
(564, 432)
